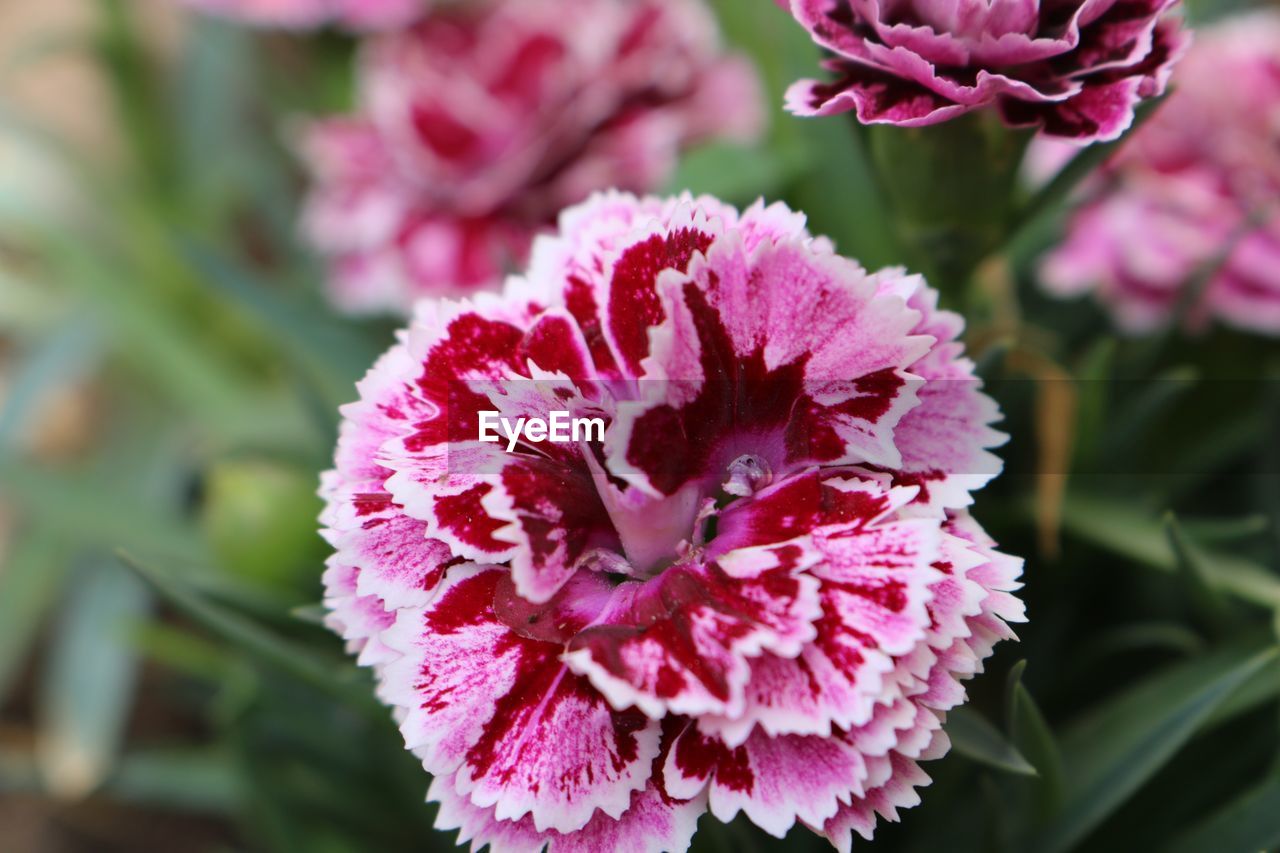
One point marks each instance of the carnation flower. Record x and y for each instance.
(1190, 201)
(1075, 69)
(301, 14)
(758, 592)
(478, 125)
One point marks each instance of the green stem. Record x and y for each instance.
(951, 190)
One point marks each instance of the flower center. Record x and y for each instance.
(658, 532)
(746, 475)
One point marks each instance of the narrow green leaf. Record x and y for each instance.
(1211, 530)
(60, 358)
(1145, 410)
(1248, 824)
(332, 354)
(1029, 732)
(312, 614)
(1128, 531)
(1091, 400)
(151, 339)
(973, 737)
(32, 575)
(92, 512)
(86, 690)
(1262, 688)
(183, 652)
(333, 675)
(1169, 637)
(204, 781)
(1110, 754)
(1208, 602)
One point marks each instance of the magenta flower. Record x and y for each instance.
(1075, 69)
(304, 14)
(756, 590)
(1191, 195)
(482, 122)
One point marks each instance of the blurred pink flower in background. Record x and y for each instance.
(301, 14)
(1193, 194)
(477, 125)
(1076, 69)
(758, 592)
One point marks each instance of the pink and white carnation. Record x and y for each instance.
(361, 15)
(478, 125)
(1076, 69)
(758, 591)
(1185, 218)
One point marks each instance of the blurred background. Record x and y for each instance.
(169, 381)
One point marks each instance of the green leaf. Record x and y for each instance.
(204, 781)
(1145, 409)
(93, 511)
(1167, 637)
(1029, 732)
(1246, 825)
(86, 690)
(1111, 753)
(731, 172)
(62, 357)
(1091, 400)
(1212, 530)
(1125, 530)
(1208, 602)
(1263, 687)
(330, 674)
(312, 614)
(32, 575)
(330, 353)
(973, 737)
(154, 341)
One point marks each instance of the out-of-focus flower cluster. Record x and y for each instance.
(1076, 68)
(303, 14)
(758, 593)
(477, 125)
(1187, 217)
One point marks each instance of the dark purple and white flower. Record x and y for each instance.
(1184, 218)
(476, 126)
(1073, 68)
(759, 593)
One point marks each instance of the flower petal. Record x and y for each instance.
(522, 733)
(680, 642)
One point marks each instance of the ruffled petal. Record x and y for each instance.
(680, 642)
(502, 712)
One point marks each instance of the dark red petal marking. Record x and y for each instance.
(680, 640)
(464, 516)
(472, 347)
(634, 306)
(795, 507)
(699, 757)
(554, 345)
(581, 303)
